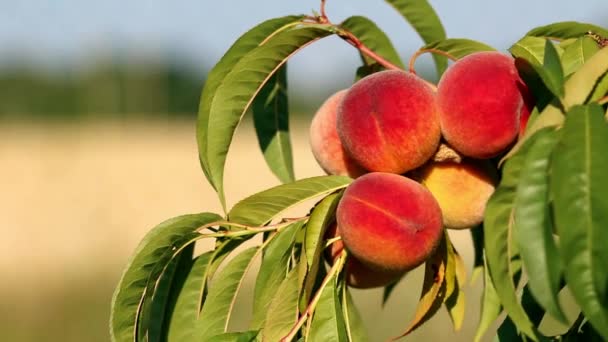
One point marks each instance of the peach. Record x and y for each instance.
(357, 274)
(325, 143)
(480, 101)
(389, 122)
(389, 222)
(461, 189)
(526, 109)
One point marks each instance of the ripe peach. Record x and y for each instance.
(462, 190)
(325, 143)
(480, 101)
(389, 222)
(389, 122)
(357, 274)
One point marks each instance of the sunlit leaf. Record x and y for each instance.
(242, 46)
(233, 96)
(580, 85)
(532, 49)
(246, 336)
(565, 30)
(423, 18)
(321, 216)
(579, 187)
(490, 307)
(457, 47)
(271, 120)
(578, 53)
(130, 290)
(262, 207)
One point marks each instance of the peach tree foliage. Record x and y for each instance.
(545, 227)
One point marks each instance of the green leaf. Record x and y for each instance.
(565, 30)
(271, 119)
(478, 259)
(246, 336)
(433, 288)
(155, 323)
(423, 18)
(328, 320)
(242, 46)
(273, 270)
(322, 215)
(578, 184)
(490, 306)
(533, 229)
(454, 296)
(498, 222)
(131, 288)
(355, 328)
(190, 289)
(601, 89)
(262, 207)
(552, 73)
(282, 312)
(532, 49)
(578, 53)
(241, 84)
(580, 84)
(184, 309)
(214, 316)
(456, 47)
(374, 38)
(507, 331)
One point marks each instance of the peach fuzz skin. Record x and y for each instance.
(389, 122)
(480, 104)
(357, 275)
(326, 145)
(389, 222)
(461, 189)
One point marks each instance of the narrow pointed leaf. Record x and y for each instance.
(578, 53)
(155, 324)
(262, 207)
(490, 307)
(532, 49)
(457, 47)
(234, 96)
(134, 280)
(271, 119)
(355, 328)
(601, 89)
(243, 45)
(423, 18)
(454, 296)
(580, 85)
(215, 315)
(433, 289)
(374, 38)
(579, 187)
(283, 311)
(328, 320)
(322, 215)
(273, 270)
(553, 73)
(498, 224)
(533, 227)
(566, 29)
(185, 308)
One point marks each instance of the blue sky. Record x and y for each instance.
(66, 32)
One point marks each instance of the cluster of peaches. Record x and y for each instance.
(419, 155)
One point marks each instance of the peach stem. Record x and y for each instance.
(420, 52)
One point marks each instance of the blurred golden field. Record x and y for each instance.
(77, 197)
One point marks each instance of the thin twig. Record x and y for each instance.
(313, 303)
